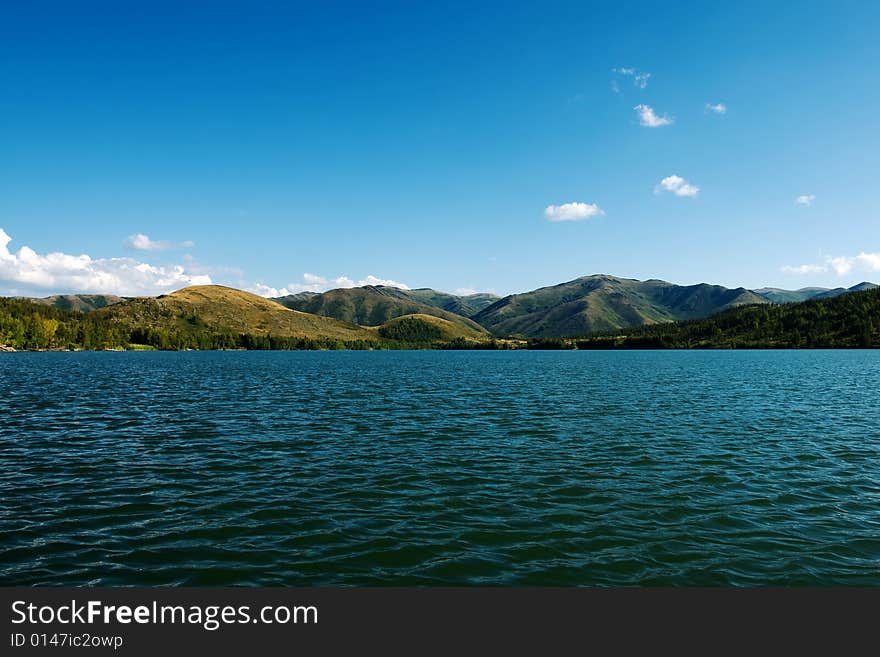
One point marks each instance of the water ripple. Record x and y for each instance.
(424, 468)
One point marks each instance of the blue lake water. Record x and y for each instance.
(440, 468)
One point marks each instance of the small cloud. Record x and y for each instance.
(615, 87)
(717, 108)
(268, 291)
(678, 186)
(464, 291)
(572, 211)
(649, 119)
(141, 242)
(803, 269)
(805, 199)
(639, 79)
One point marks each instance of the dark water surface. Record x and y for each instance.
(548, 468)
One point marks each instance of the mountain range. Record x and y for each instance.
(373, 305)
(777, 295)
(598, 303)
(587, 305)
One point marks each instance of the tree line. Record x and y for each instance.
(850, 320)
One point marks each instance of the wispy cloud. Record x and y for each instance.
(805, 199)
(803, 269)
(314, 283)
(864, 262)
(60, 272)
(572, 211)
(141, 242)
(677, 185)
(649, 119)
(639, 79)
(717, 108)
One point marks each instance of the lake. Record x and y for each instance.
(440, 468)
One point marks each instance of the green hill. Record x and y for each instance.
(80, 302)
(427, 329)
(224, 309)
(372, 305)
(844, 321)
(605, 303)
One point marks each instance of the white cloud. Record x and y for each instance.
(869, 261)
(141, 242)
(387, 282)
(717, 108)
(864, 262)
(649, 119)
(264, 290)
(464, 291)
(572, 211)
(62, 272)
(639, 79)
(678, 186)
(841, 265)
(803, 269)
(805, 199)
(313, 283)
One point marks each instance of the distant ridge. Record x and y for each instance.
(371, 305)
(605, 303)
(778, 295)
(81, 302)
(466, 305)
(836, 292)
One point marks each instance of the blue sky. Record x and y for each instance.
(475, 146)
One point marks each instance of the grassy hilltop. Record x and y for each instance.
(420, 328)
(225, 309)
